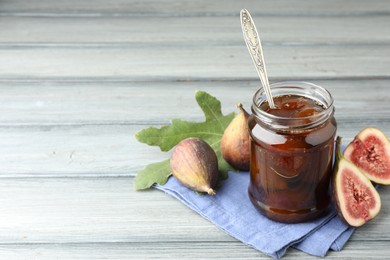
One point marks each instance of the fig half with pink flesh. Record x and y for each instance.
(370, 151)
(357, 201)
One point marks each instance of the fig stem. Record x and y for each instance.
(339, 154)
(210, 191)
(239, 106)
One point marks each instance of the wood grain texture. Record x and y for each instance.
(192, 62)
(188, 7)
(69, 102)
(79, 78)
(208, 30)
(195, 250)
(85, 151)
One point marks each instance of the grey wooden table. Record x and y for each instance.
(79, 78)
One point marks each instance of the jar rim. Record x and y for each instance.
(301, 88)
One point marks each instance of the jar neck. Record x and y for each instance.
(297, 88)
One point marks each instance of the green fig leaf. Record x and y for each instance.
(153, 173)
(166, 137)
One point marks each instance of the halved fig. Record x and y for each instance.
(357, 201)
(370, 151)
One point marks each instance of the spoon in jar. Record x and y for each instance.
(253, 43)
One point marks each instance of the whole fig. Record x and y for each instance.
(195, 164)
(357, 201)
(235, 141)
(370, 151)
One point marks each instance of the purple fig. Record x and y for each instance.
(195, 164)
(235, 142)
(370, 151)
(357, 201)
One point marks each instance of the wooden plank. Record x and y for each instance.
(58, 151)
(188, 7)
(108, 210)
(79, 210)
(195, 250)
(199, 31)
(192, 62)
(39, 102)
(84, 151)
(73, 151)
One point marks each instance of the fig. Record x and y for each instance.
(195, 164)
(356, 199)
(370, 151)
(235, 141)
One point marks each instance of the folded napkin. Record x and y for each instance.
(232, 211)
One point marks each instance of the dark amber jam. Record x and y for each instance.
(291, 152)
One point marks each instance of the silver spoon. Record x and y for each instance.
(253, 43)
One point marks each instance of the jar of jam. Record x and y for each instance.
(291, 151)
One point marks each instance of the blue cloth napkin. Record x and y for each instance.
(232, 211)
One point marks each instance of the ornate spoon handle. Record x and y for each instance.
(253, 43)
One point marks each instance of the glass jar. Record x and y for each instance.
(291, 156)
